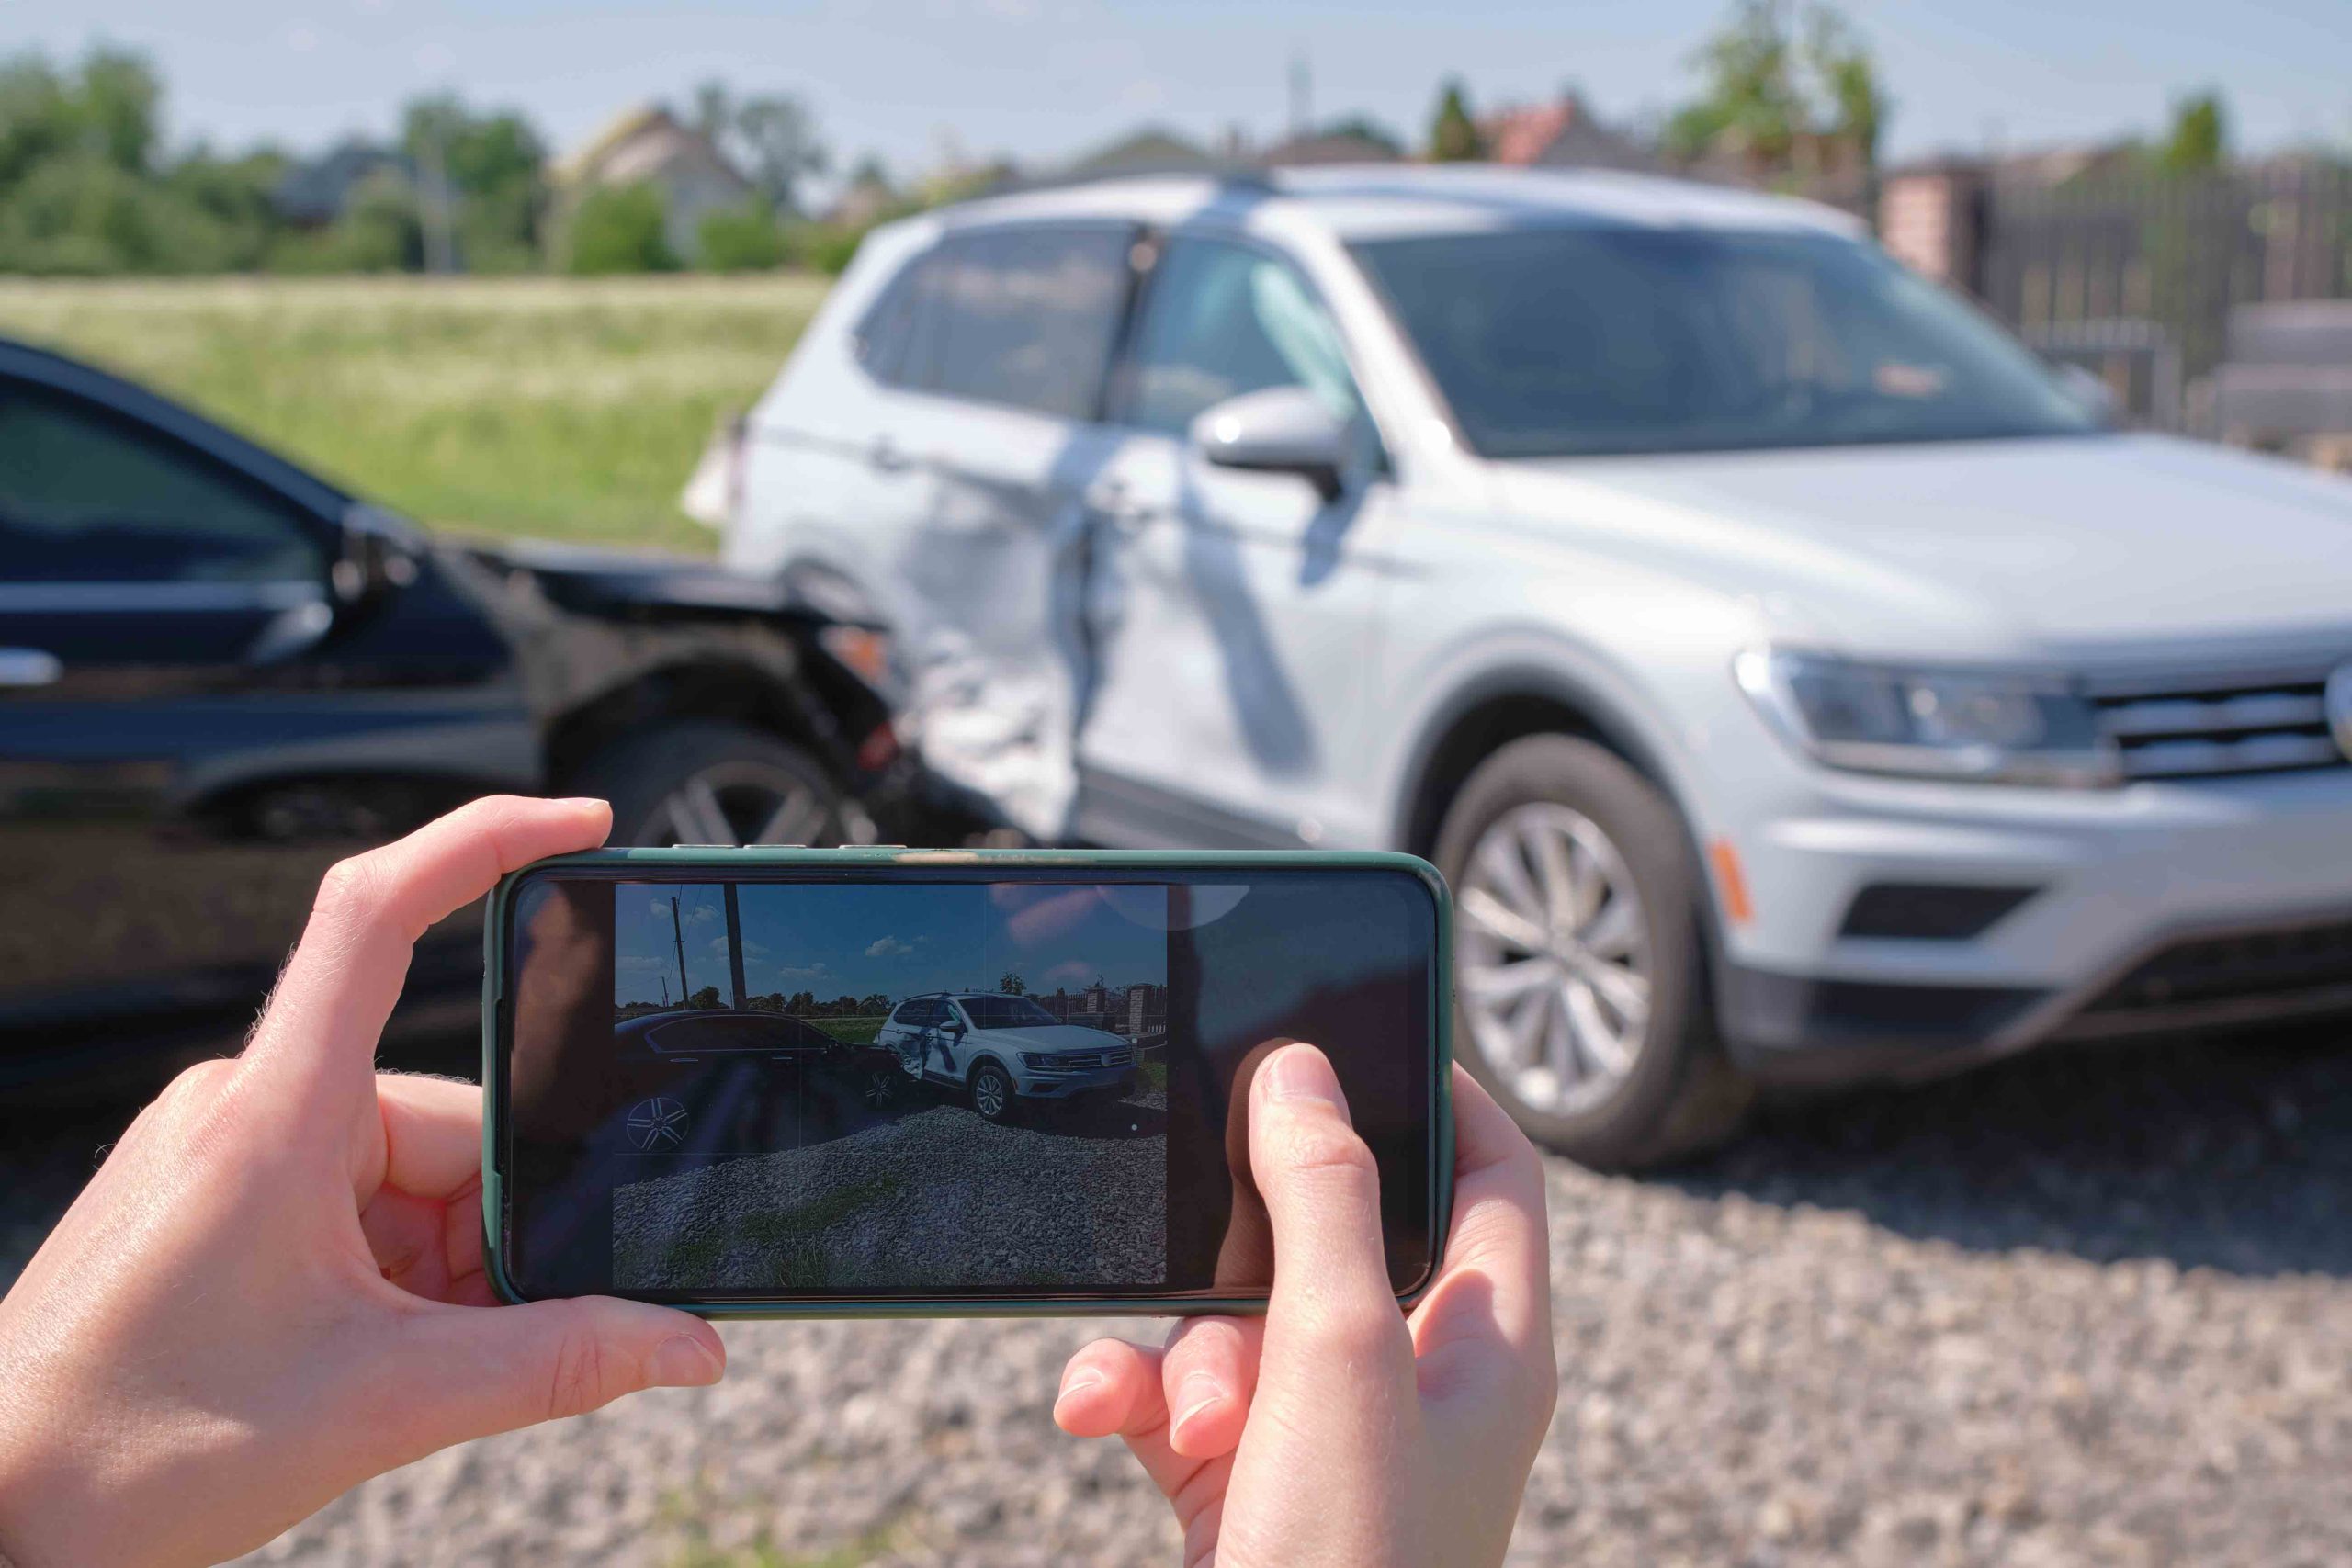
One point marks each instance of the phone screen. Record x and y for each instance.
(794, 1085)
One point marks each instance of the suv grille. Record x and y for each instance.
(2269, 723)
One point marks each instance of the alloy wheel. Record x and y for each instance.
(656, 1124)
(1553, 962)
(741, 803)
(987, 1094)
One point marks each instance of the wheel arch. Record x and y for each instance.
(1498, 706)
(1512, 702)
(729, 691)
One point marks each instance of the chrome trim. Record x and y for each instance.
(30, 666)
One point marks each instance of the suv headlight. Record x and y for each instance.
(1946, 724)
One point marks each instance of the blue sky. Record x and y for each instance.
(1041, 78)
(897, 940)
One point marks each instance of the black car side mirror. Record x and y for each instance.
(379, 551)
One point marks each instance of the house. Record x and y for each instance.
(649, 145)
(1564, 134)
(1351, 141)
(314, 192)
(1149, 151)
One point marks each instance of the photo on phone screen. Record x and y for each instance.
(770, 1087)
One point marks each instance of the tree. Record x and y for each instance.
(706, 998)
(480, 175)
(2199, 136)
(1767, 94)
(777, 137)
(874, 1003)
(1012, 984)
(117, 110)
(774, 136)
(1453, 135)
(618, 229)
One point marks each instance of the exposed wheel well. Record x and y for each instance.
(740, 693)
(1485, 728)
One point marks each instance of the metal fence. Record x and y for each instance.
(2134, 276)
(1137, 1012)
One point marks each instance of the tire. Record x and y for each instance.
(708, 782)
(1609, 1084)
(992, 1094)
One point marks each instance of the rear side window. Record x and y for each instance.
(1021, 317)
(915, 1013)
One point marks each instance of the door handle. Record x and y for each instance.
(30, 666)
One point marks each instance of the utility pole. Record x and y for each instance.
(734, 944)
(678, 935)
(433, 203)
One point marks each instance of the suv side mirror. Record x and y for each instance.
(1282, 430)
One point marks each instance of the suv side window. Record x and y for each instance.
(916, 1013)
(1221, 318)
(1020, 316)
(87, 497)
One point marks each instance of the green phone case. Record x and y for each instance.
(852, 859)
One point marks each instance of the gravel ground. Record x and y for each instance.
(2072, 1310)
(933, 1194)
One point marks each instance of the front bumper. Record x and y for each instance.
(2145, 909)
(1064, 1086)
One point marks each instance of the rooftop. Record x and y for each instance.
(1368, 200)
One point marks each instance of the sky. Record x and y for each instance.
(857, 940)
(1043, 79)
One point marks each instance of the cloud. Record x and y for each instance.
(1070, 973)
(813, 972)
(887, 947)
(641, 964)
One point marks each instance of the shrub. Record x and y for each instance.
(741, 239)
(618, 229)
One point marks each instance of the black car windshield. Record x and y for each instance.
(1572, 341)
(1005, 1012)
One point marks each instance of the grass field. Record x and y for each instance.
(568, 409)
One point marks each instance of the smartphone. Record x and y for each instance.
(889, 1082)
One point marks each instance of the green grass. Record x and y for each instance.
(853, 1031)
(1154, 1073)
(564, 408)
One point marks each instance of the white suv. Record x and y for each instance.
(1794, 679)
(1001, 1050)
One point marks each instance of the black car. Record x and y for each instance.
(716, 1081)
(220, 672)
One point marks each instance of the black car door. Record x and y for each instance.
(187, 736)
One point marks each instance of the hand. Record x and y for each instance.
(1336, 1430)
(272, 1288)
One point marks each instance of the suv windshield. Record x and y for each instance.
(1560, 341)
(1004, 1013)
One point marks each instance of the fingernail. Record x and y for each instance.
(1299, 1072)
(684, 1361)
(1076, 1383)
(584, 800)
(1199, 1395)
